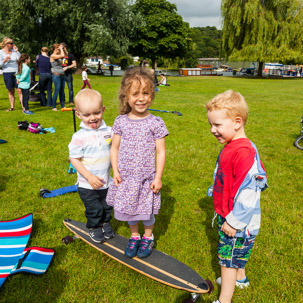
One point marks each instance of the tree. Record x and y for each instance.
(207, 41)
(164, 33)
(88, 27)
(262, 30)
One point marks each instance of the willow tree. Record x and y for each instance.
(263, 30)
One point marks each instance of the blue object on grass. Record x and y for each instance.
(2, 141)
(71, 169)
(45, 193)
(14, 256)
(47, 130)
(166, 111)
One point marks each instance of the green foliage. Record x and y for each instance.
(113, 29)
(264, 31)
(164, 33)
(207, 41)
(183, 228)
(88, 27)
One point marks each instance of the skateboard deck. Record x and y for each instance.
(158, 266)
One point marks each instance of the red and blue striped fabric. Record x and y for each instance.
(14, 256)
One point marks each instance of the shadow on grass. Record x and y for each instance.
(206, 205)
(162, 219)
(3, 181)
(165, 213)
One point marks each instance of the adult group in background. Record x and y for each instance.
(56, 68)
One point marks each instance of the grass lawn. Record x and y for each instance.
(183, 229)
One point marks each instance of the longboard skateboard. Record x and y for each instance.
(158, 266)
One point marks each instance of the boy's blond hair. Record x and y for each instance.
(87, 94)
(234, 104)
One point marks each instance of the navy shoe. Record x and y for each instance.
(132, 247)
(107, 231)
(146, 248)
(96, 234)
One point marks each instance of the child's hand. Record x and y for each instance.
(228, 230)
(117, 179)
(95, 182)
(156, 185)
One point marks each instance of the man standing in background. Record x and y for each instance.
(68, 63)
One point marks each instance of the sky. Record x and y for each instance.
(199, 13)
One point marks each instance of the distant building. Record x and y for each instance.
(217, 62)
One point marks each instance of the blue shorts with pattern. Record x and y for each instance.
(233, 252)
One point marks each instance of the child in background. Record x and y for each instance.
(138, 135)
(24, 81)
(89, 153)
(239, 178)
(84, 78)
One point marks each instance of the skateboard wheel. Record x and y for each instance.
(67, 240)
(210, 285)
(44, 191)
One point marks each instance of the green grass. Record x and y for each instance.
(183, 229)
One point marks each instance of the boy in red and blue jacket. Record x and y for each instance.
(239, 178)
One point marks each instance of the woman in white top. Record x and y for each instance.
(9, 56)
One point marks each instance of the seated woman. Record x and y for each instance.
(163, 80)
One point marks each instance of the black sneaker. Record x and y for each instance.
(96, 234)
(107, 231)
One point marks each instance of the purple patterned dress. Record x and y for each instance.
(133, 199)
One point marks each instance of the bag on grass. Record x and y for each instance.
(23, 125)
(35, 128)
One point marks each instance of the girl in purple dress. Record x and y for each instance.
(138, 137)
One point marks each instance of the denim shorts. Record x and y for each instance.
(10, 80)
(233, 252)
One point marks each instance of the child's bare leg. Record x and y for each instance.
(148, 231)
(134, 229)
(228, 276)
(19, 92)
(241, 274)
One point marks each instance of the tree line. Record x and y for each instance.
(254, 30)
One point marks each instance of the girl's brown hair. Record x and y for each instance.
(21, 60)
(143, 76)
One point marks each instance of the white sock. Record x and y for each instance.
(149, 238)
